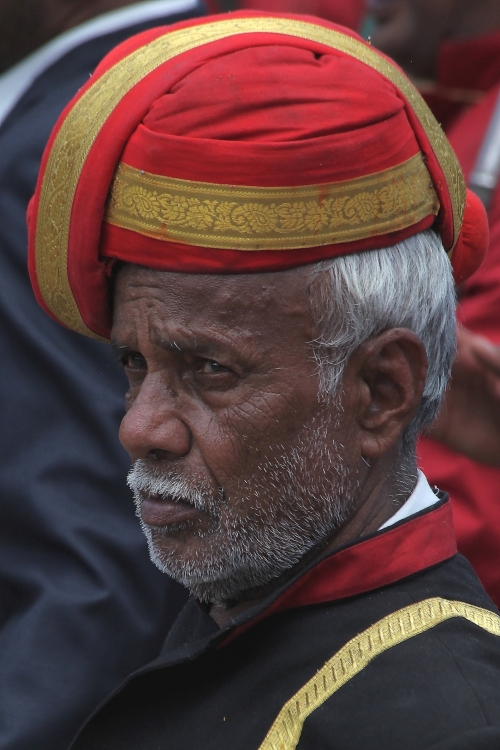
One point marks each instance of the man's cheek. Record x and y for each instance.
(239, 431)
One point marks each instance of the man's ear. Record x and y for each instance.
(386, 375)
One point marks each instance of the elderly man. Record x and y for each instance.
(453, 48)
(270, 208)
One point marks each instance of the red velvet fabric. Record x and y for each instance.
(474, 489)
(397, 553)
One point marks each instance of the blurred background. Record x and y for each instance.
(81, 605)
(346, 12)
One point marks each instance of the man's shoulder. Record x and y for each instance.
(437, 656)
(427, 646)
(363, 670)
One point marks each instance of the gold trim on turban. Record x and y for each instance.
(254, 218)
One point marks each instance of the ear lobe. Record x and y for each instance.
(391, 372)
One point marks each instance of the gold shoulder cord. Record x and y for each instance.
(84, 122)
(359, 652)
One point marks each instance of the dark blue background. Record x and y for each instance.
(81, 605)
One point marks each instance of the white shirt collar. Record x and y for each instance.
(421, 498)
(18, 79)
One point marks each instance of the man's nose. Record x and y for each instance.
(153, 425)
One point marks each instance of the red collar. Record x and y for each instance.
(396, 553)
(391, 555)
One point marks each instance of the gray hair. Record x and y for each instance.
(356, 297)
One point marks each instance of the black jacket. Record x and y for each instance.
(222, 689)
(81, 605)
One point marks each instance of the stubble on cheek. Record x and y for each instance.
(268, 516)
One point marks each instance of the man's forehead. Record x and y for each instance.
(220, 302)
(223, 292)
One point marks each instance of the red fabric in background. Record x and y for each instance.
(474, 489)
(345, 12)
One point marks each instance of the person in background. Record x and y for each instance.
(81, 605)
(346, 12)
(452, 49)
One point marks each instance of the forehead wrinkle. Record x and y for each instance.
(192, 312)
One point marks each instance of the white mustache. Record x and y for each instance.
(146, 480)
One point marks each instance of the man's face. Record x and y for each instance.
(411, 31)
(239, 469)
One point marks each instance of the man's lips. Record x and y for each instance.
(160, 512)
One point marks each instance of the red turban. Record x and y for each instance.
(242, 143)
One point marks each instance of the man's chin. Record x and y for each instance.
(182, 541)
(214, 571)
(197, 563)
(204, 586)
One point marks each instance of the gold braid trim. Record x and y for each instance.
(359, 652)
(89, 114)
(253, 218)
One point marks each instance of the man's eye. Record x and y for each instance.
(210, 367)
(133, 361)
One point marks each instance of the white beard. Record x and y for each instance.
(252, 548)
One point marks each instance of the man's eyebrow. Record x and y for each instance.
(119, 350)
(198, 348)
(174, 346)
(178, 345)
(169, 345)
(203, 343)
